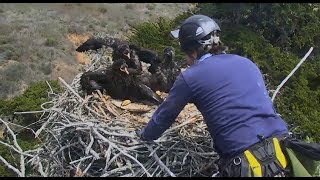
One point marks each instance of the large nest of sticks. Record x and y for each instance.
(95, 136)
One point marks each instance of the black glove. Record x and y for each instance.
(139, 134)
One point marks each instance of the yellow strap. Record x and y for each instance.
(254, 164)
(279, 154)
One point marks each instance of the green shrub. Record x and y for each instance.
(51, 42)
(7, 87)
(14, 72)
(129, 6)
(151, 7)
(103, 10)
(4, 39)
(31, 100)
(156, 36)
(5, 153)
(46, 68)
(11, 52)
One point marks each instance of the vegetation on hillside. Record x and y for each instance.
(34, 37)
(31, 100)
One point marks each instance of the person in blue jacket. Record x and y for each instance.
(230, 92)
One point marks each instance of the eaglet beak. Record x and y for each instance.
(125, 70)
(127, 55)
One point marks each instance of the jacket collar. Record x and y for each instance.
(202, 58)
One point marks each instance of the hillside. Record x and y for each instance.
(38, 41)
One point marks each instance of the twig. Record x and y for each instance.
(15, 143)
(51, 91)
(11, 167)
(111, 144)
(70, 88)
(30, 112)
(44, 125)
(164, 167)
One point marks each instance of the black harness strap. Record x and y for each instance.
(264, 152)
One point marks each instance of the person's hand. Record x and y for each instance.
(139, 134)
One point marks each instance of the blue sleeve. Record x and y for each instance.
(179, 95)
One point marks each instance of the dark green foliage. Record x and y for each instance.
(103, 10)
(156, 35)
(31, 100)
(129, 6)
(293, 27)
(51, 42)
(5, 153)
(151, 7)
(270, 59)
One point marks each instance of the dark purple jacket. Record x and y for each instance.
(230, 92)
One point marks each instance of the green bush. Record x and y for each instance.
(5, 153)
(51, 42)
(151, 7)
(156, 35)
(5, 39)
(11, 52)
(129, 6)
(26, 142)
(46, 68)
(13, 72)
(7, 87)
(31, 100)
(103, 10)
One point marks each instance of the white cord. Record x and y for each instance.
(291, 73)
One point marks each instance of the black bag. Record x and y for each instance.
(304, 157)
(311, 150)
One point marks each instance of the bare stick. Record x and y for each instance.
(30, 112)
(22, 164)
(110, 143)
(291, 73)
(11, 167)
(70, 88)
(44, 125)
(164, 167)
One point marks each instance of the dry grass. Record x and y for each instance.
(42, 36)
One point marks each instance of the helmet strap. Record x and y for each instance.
(214, 38)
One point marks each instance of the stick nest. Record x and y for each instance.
(95, 136)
